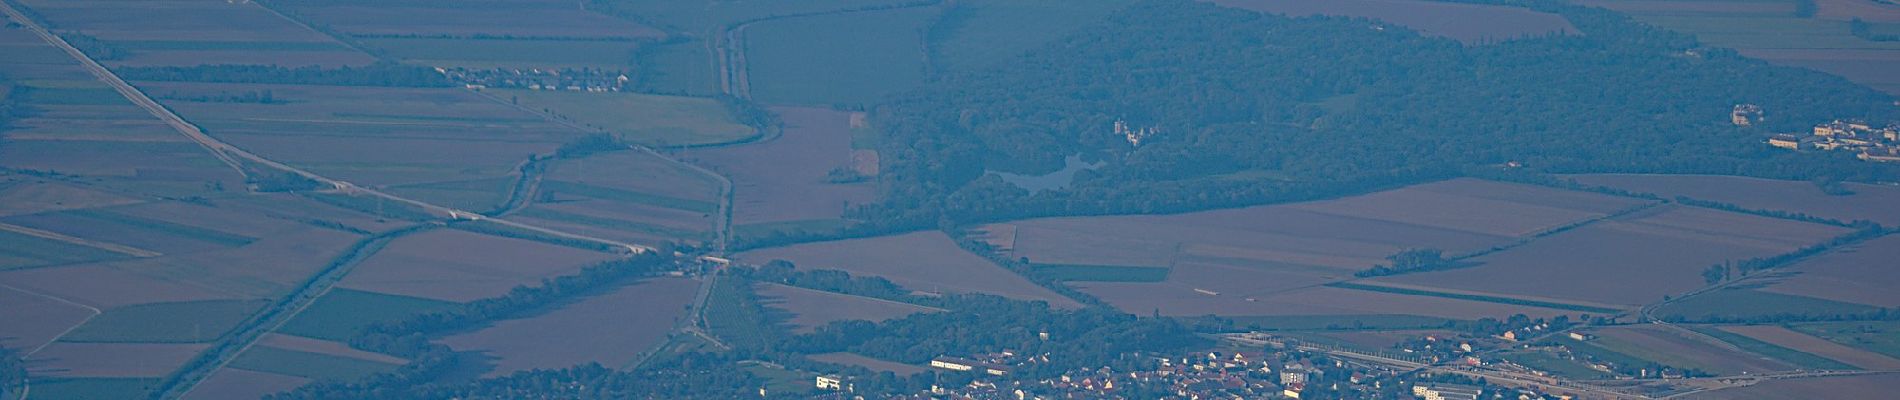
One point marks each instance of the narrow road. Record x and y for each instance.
(238, 158)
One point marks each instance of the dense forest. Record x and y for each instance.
(1253, 108)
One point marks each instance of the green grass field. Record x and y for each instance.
(182, 322)
(652, 120)
(509, 52)
(1877, 336)
(1747, 303)
(1473, 297)
(340, 314)
(981, 33)
(22, 251)
(305, 364)
(1606, 354)
(854, 58)
(780, 381)
(1771, 350)
(92, 388)
(473, 195)
(683, 68)
(1338, 322)
(612, 194)
(1102, 273)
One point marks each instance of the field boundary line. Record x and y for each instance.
(55, 236)
(95, 313)
(1551, 303)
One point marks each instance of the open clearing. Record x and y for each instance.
(1680, 348)
(653, 120)
(454, 265)
(611, 329)
(1656, 252)
(1869, 202)
(1863, 274)
(784, 179)
(1785, 337)
(921, 261)
(811, 309)
(1464, 22)
(872, 364)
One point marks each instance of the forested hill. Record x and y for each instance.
(1256, 108)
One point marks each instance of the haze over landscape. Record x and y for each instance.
(949, 199)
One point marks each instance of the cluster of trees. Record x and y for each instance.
(382, 73)
(1409, 261)
(1258, 108)
(248, 96)
(750, 114)
(692, 376)
(93, 47)
(1861, 29)
(12, 370)
(1868, 231)
(591, 144)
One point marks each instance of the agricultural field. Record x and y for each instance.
(110, 360)
(184, 322)
(302, 364)
(341, 313)
(1792, 339)
(1877, 336)
(612, 329)
(1841, 387)
(786, 180)
(187, 33)
(1470, 23)
(1660, 251)
(921, 261)
(849, 58)
(1775, 32)
(1341, 306)
(509, 53)
(1682, 348)
(459, 266)
(810, 309)
(514, 18)
(975, 34)
(1859, 274)
(389, 137)
(232, 383)
(652, 120)
(1746, 302)
(626, 195)
(1868, 202)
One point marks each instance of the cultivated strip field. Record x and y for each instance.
(1869, 202)
(612, 329)
(1785, 337)
(921, 261)
(458, 266)
(1861, 274)
(785, 179)
(1464, 22)
(232, 383)
(1680, 348)
(187, 33)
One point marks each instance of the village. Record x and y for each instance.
(1864, 140)
(566, 79)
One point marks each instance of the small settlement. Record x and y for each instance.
(1867, 142)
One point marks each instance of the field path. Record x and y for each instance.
(241, 160)
(116, 248)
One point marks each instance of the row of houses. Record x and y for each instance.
(570, 79)
(1869, 143)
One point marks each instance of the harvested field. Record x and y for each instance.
(1695, 7)
(341, 313)
(611, 329)
(322, 367)
(1840, 387)
(320, 346)
(848, 58)
(114, 360)
(1464, 22)
(174, 21)
(637, 172)
(521, 19)
(653, 120)
(1784, 337)
(291, 59)
(1861, 274)
(35, 320)
(22, 247)
(1658, 252)
(458, 266)
(811, 309)
(1869, 202)
(162, 237)
(21, 195)
(1512, 210)
(1871, 11)
(1681, 348)
(184, 322)
(545, 54)
(92, 388)
(108, 287)
(1173, 300)
(922, 261)
(232, 383)
(785, 179)
(872, 364)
